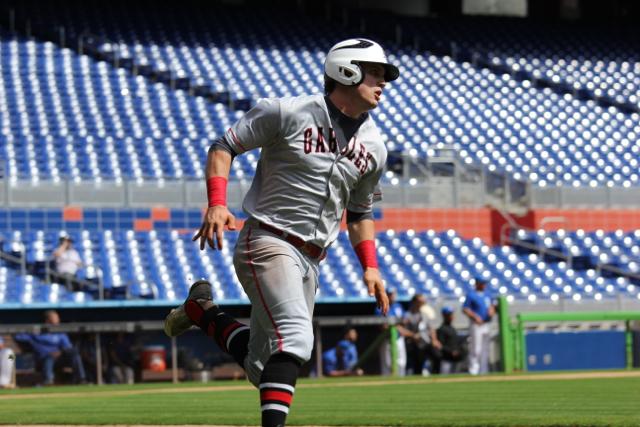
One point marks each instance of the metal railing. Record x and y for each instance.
(455, 183)
(585, 197)
(98, 328)
(511, 226)
(50, 276)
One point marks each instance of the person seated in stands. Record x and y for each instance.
(7, 365)
(453, 349)
(341, 360)
(67, 262)
(53, 350)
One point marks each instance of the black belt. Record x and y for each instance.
(309, 249)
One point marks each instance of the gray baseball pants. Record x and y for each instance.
(281, 283)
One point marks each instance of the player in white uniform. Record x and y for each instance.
(321, 155)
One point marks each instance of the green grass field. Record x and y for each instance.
(452, 401)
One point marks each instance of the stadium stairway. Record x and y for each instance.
(612, 255)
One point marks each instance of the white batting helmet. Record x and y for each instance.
(342, 62)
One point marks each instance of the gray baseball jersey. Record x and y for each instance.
(307, 175)
(305, 179)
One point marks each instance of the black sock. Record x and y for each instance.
(231, 335)
(277, 385)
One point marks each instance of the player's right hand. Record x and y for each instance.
(214, 222)
(373, 281)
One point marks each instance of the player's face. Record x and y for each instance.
(370, 90)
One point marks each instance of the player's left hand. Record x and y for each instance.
(373, 280)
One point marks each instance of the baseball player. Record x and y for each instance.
(479, 309)
(321, 155)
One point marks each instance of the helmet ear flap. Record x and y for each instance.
(360, 74)
(352, 74)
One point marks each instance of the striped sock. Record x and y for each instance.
(277, 386)
(231, 335)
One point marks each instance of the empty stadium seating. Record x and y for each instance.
(161, 264)
(591, 249)
(584, 57)
(69, 115)
(65, 116)
(84, 109)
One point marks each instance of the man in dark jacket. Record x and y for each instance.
(453, 346)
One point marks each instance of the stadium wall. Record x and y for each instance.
(484, 223)
(586, 219)
(487, 224)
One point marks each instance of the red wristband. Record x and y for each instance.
(366, 251)
(217, 191)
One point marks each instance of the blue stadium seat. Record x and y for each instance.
(84, 108)
(161, 264)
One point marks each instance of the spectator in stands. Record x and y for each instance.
(453, 349)
(479, 309)
(7, 365)
(421, 343)
(396, 311)
(53, 350)
(67, 261)
(340, 361)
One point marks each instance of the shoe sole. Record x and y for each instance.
(177, 322)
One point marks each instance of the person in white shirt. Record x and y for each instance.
(68, 260)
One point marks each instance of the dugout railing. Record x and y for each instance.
(98, 328)
(513, 330)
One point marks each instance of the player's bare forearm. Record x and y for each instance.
(360, 231)
(218, 164)
(218, 216)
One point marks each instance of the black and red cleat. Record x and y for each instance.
(179, 320)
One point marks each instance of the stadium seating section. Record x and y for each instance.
(71, 115)
(84, 108)
(161, 264)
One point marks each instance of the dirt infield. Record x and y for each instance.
(381, 382)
